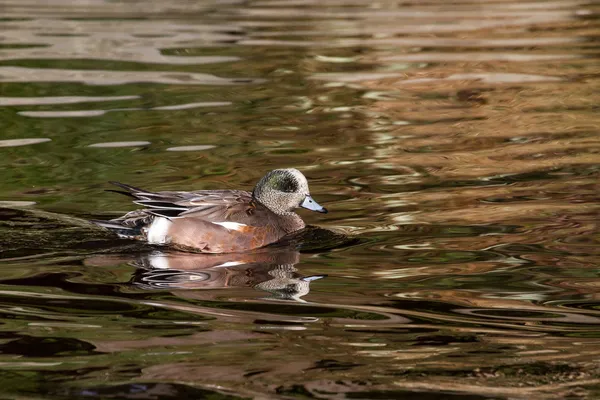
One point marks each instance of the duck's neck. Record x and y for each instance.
(291, 222)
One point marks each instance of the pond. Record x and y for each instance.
(456, 146)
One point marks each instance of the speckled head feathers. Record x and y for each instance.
(281, 190)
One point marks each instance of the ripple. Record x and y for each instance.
(489, 77)
(411, 14)
(130, 41)
(22, 142)
(120, 144)
(16, 203)
(106, 77)
(418, 42)
(530, 315)
(356, 76)
(193, 105)
(192, 148)
(476, 57)
(97, 113)
(502, 78)
(62, 114)
(36, 101)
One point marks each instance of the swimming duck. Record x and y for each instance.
(218, 221)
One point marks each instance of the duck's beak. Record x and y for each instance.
(312, 205)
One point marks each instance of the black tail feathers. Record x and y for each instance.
(124, 231)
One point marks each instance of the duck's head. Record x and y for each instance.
(283, 190)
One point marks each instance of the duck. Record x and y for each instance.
(217, 221)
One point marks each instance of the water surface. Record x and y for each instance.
(456, 146)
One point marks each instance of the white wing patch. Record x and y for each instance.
(232, 226)
(157, 233)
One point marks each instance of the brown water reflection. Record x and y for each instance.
(455, 144)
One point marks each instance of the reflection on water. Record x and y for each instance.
(270, 270)
(455, 144)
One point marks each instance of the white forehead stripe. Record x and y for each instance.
(232, 226)
(157, 233)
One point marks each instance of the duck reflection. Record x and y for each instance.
(270, 271)
(287, 284)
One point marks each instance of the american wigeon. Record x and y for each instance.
(218, 221)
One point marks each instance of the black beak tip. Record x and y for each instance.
(323, 210)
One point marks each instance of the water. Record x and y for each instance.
(455, 145)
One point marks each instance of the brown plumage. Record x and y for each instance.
(218, 221)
